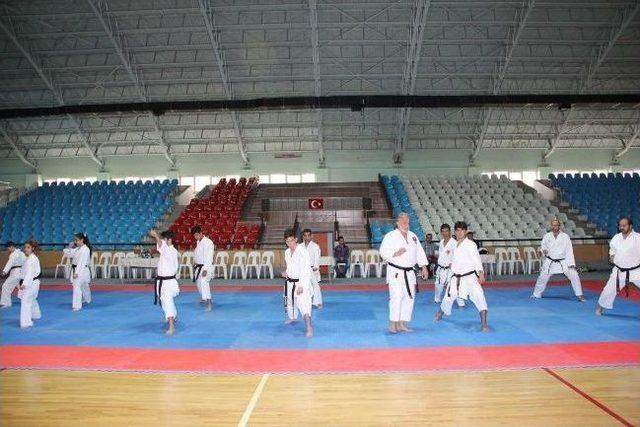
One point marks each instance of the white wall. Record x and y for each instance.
(340, 166)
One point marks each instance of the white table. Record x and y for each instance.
(145, 264)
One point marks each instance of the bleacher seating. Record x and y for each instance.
(397, 195)
(218, 214)
(108, 212)
(602, 198)
(494, 208)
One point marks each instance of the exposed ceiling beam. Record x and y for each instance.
(317, 88)
(14, 145)
(416, 36)
(110, 27)
(603, 51)
(626, 146)
(501, 72)
(48, 81)
(209, 22)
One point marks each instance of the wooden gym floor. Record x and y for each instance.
(563, 396)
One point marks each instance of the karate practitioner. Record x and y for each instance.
(203, 267)
(298, 286)
(445, 254)
(558, 250)
(12, 269)
(314, 258)
(166, 285)
(624, 254)
(467, 277)
(29, 286)
(80, 252)
(402, 251)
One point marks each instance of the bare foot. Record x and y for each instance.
(309, 332)
(393, 330)
(25, 327)
(484, 328)
(76, 309)
(319, 306)
(289, 321)
(203, 302)
(581, 298)
(170, 331)
(438, 316)
(405, 329)
(209, 307)
(599, 311)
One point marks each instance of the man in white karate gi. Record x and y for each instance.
(467, 277)
(314, 258)
(13, 270)
(203, 266)
(558, 252)
(298, 287)
(402, 251)
(446, 247)
(624, 254)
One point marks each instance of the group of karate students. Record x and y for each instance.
(459, 276)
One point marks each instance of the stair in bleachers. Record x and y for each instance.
(108, 212)
(346, 200)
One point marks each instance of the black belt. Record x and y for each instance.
(15, 266)
(74, 266)
(406, 277)
(293, 291)
(198, 269)
(158, 287)
(552, 261)
(458, 277)
(35, 278)
(626, 277)
(443, 267)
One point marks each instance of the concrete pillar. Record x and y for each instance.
(32, 179)
(103, 176)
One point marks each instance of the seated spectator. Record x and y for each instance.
(431, 250)
(341, 253)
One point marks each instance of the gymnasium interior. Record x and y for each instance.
(250, 118)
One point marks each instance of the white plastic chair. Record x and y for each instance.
(186, 265)
(117, 265)
(502, 260)
(357, 260)
(103, 265)
(253, 263)
(65, 264)
(266, 262)
(329, 262)
(131, 272)
(239, 263)
(532, 258)
(221, 263)
(515, 260)
(92, 265)
(372, 259)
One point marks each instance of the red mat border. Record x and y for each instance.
(321, 361)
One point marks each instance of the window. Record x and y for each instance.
(278, 178)
(230, 177)
(515, 176)
(215, 180)
(294, 179)
(529, 177)
(201, 182)
(263, 179)
(187, 180)
(308, 177)
(160, 178)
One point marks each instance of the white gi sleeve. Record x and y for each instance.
(386, 247)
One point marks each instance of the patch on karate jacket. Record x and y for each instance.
(415, 240)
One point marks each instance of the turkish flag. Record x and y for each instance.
(316, 203)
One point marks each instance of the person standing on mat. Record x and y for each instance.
(166, 285)
(402, 250)
(80, 253)
(12, 269)
(446, 247)
(298, 286)
(624, 254)
(314, 258)
(30, 286)
(203, 268)
(467, 277)
(558, 252)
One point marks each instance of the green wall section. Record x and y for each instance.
(340, 166)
